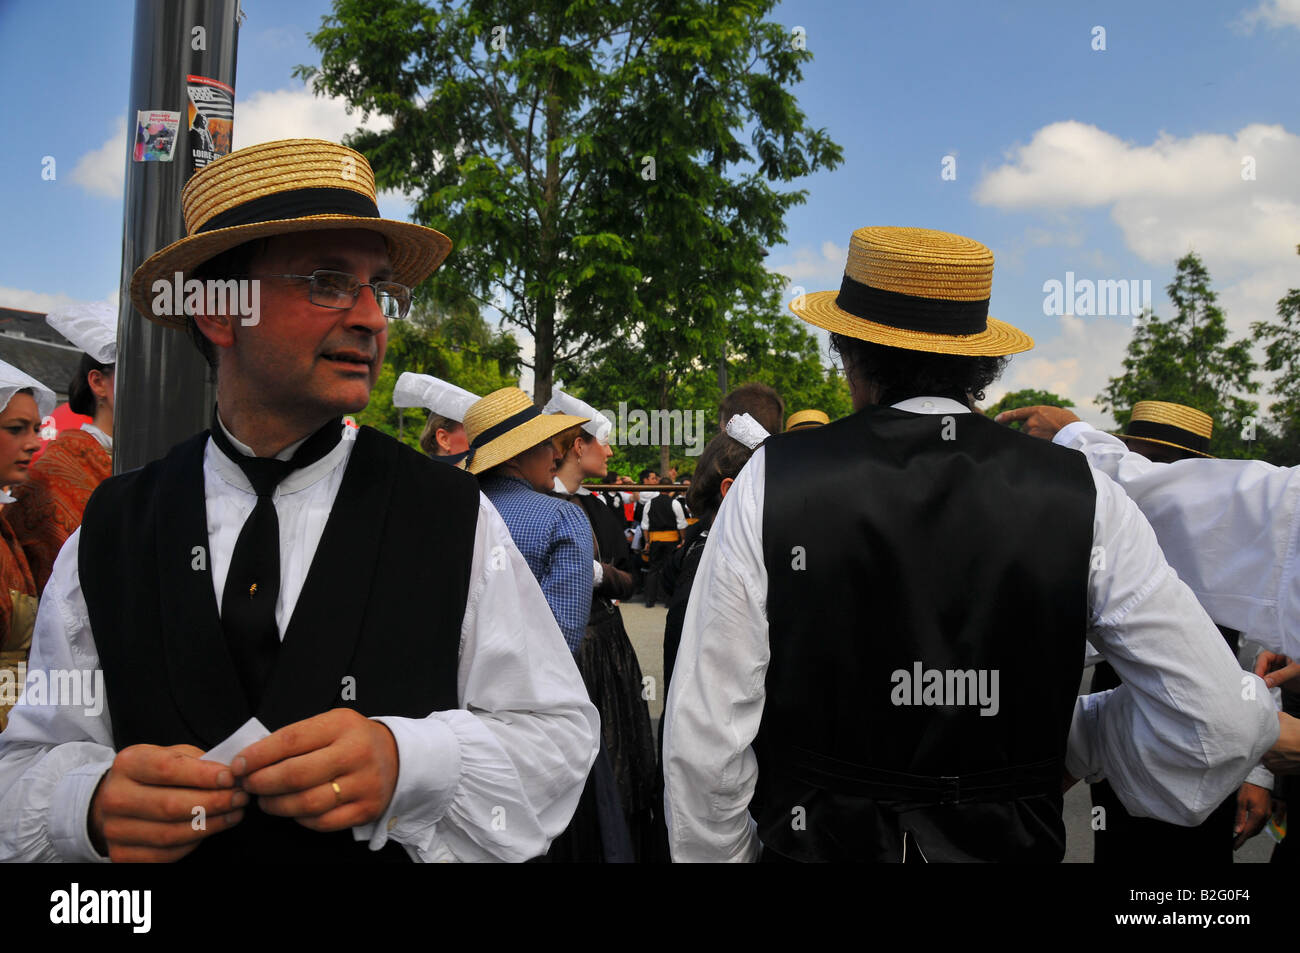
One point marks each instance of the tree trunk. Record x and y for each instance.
(663, 438)
(544, 347)
(544, 341)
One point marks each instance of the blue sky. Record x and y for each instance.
(1106, 163)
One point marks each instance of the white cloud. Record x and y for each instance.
(42, 301)
(819, 270)
(295, 113)
(1173, 196)
(103, 171)
(1076, 363)
(1275, 14)
(280, 114)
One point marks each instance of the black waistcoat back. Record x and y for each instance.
(662, 516)
(892, 539)
(376, 627)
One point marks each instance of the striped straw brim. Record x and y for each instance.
(275, 188)
(1172, 425)
(504, 424)
(916, 289)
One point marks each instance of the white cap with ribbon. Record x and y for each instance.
(432, 393)
(12, 380)
(598, 425)
(89, 326)
(747, 430)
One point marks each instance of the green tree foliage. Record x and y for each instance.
(770, 346)
(1281, 343)
(587, 158)
(1028, 397)
(1187, 359)
(456, 345)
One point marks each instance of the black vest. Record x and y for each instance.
(892, 539)
(376, 627)
(662, 516)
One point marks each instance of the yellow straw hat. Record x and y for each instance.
(807, 418)
(292, 185)
(915, 289)
(1173, 425)
(506, 423)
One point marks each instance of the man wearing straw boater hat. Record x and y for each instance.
(1231, 529)
(280, 567)
(884, 641)
(1165, 432)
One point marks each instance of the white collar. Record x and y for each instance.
(299, 479)
(5, 497)
(931, 405)
(104, 439)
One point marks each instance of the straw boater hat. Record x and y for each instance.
(293, 185)
(807, 418)
(506, 423)
(915, 289)
(1173, 425)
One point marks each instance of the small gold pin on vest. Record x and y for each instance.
(252, 590)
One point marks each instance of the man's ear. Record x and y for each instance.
(724, 486)
(217, 328)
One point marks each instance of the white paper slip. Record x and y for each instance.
(250, 731)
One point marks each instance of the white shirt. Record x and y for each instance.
(496, 779)
(105, 441)
(678, 514)
(1173, 740)
(1231, 528)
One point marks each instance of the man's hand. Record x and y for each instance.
(1040, 421)
(1277, 670)
(1284, 756)
(329, 773)
(1254, 807)
(144, 807)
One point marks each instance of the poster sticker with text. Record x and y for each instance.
(155, 135)
(211, 118)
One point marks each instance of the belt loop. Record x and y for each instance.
(949, 789)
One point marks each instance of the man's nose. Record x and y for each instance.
(366, 314)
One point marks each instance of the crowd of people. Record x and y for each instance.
(334, 647)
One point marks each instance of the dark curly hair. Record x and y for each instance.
(900, 373)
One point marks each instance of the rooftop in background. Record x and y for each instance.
(32, 346)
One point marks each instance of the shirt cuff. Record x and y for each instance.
(1080, 751)
(1067, 434)
(598, 572)
(70, 813)
(1260, 776)
(428, 774)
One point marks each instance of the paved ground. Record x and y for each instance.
(646, 629)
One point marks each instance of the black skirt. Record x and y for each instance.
(610, 669)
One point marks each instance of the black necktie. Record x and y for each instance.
(253, 582)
